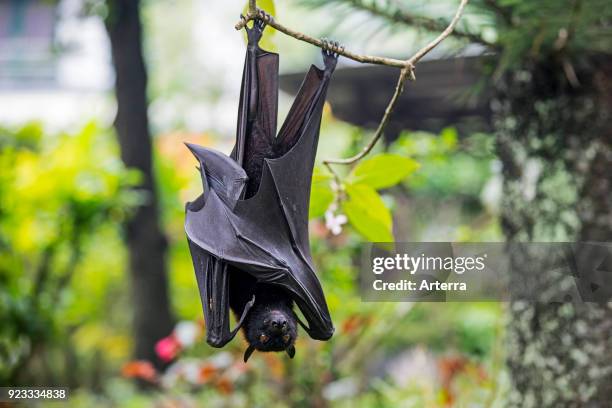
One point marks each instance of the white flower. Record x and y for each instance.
(186, 333)
(191, 372)
(171, 376)
(334, 222)
(221, 360)
(341, 389)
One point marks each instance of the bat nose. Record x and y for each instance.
(279, 324)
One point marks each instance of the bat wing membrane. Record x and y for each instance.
(267, 234)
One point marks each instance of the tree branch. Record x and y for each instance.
(407, 68)
(381, 126)
(443, 35)
(430, 24)
(391, 62)
(407, 72)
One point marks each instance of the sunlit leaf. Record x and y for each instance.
(449, 137)
(383, 170)
(321, 195)
(367, 212)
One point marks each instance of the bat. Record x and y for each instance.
(248, 231)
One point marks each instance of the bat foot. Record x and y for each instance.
(263, 18)
(330, 50)
(255, 33)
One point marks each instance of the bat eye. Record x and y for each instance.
(263, 338)
(286, 338)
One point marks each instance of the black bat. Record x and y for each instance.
(248, 231)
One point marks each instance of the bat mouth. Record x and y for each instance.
(272, 329)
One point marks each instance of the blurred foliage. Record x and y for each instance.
(60, 198)
(519, 30)
(449, 167)
(431, 171)
(63, 199)
(64, 300)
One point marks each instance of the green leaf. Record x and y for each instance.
(321, 195)
(267, 40)
(383, 170)
(367, 213)
(448, 137)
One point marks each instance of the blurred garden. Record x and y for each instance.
(87, 191)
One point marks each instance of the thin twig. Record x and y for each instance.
(381, 126)
(407, 68)
(399, 88)
(443, 35)
(391, 62)
(333, 172)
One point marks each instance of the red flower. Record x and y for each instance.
(167, 348)
(139, 369)
(207, 371)
(224, 386)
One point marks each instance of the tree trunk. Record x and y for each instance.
(146, 242)
(555, 143)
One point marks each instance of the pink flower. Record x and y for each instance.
(167, 348)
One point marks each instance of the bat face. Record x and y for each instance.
(271, 328)
(271, 324)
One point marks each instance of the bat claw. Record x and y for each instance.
(260, 23)
(330, 53)
(263, 17)
(255, 33)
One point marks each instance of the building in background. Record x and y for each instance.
(54, 64)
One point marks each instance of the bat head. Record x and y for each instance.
(271, 328)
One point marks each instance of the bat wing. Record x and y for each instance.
(219, 174)
(278, 213)
(265, 235)
(223, 183)
(269, 238)
(254, 237)
(296, 146)
(258, 107)
(259, 235)
(213, 283)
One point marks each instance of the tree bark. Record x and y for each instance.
(555, 143)
(145, 239)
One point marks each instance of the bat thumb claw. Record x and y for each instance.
(191, 147)
(291, 351)
(248, 353)
(195, 150)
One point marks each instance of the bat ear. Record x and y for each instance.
(248, 353)
(291, 351)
